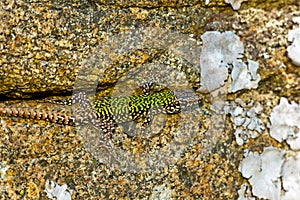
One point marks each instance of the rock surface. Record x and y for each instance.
(44, 46)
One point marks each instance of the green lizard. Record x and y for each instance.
(105, 113)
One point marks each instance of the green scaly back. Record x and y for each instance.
(124, 109)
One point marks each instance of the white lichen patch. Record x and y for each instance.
(55, 191)
(161, 192)
(245, 192)
(274, 175)
(3, 169)
(219, 49)
(246, 121)
(285, 123)
(291, 178)
(244, 76)
(236, 4)
(294, 49)
(221, 52)
(263, 172)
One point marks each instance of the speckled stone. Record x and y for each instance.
(43, 46)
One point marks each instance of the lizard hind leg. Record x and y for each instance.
(86, 111)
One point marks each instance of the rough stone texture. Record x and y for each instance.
(155, 4)
(43, 45)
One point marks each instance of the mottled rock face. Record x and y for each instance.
(49, 48)
(44, 46)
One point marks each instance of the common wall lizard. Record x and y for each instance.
(105, 113)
